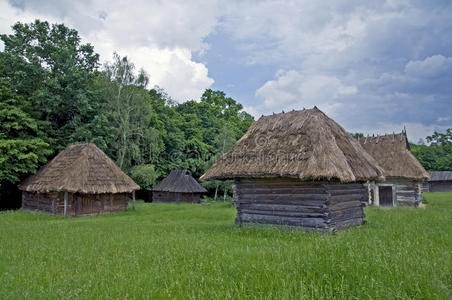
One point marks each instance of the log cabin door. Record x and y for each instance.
(385, 193)
(78, 204)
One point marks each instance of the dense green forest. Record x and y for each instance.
(437, 156)
(54, 92)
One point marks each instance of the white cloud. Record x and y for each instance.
(173, 70)
(434, 65)
(252, 111)
(293, 90)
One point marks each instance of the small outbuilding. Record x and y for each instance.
(300, 169)
(440, 181)
(179, 186)
(404, 174)
(81, 180)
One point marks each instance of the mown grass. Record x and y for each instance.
(193, 251)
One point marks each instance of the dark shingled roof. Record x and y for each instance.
(179, 181)
(392, 152)
(80, 168)
(440, 175)
(303, 144)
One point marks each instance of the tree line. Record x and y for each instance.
(437, 156)
(54, 92)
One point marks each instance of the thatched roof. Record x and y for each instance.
(441, 175)
(303, 144)
(81, 168)
(392, 152)
(179, 181)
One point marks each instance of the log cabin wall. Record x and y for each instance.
(52, 203)
(440, 186)
(408, 192)
(346, 204)
(77, 204)
(405, 192)
(94, 204)
(158, 196)
(310, 205)
(426, 187)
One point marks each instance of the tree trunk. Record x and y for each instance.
(225, 192)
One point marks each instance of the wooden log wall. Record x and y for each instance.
(440, 186)
(94, 204)
(315, 205)
(77, 204)
(426, 187)
(346, 204)
(407, 191)
(52, 203)
(176, 197)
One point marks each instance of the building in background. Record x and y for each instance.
(179, 186)
(440, 181)
(81, 180)
(404, 174)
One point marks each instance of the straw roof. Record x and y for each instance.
(441, 175)
(179, 181)
(304, 144)
(80, 168)
(392, 152)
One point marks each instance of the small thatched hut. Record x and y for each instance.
(81, 180)
(440, 181)
(403, 172)
(179, 186)
(299, 169)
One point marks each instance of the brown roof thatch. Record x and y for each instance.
(303, 144)
(81, 168)
(440, 175)
(179, 181)
(392, 152)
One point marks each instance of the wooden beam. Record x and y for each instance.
(376, 195)
(419, 192)
(65, 204)
(133, 200)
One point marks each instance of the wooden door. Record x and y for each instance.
(83, 205)
(385, 193)
(78, 204)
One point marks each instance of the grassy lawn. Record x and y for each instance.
(193, 251)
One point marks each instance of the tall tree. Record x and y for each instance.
(22, 148)
(128, 108)
(438, 155)
(49, 66)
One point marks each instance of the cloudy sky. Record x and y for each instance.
(373, 66)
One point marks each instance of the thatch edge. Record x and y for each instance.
(350, 178)
(24, 185)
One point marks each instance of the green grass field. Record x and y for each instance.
(194, 251)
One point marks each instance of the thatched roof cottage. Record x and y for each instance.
(299, 168)
(403, 172)
(81, 180)
(178, 186)
(440, 181)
